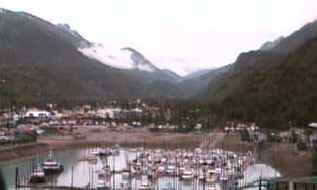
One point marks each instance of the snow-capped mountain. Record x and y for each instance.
(26, 46)
(130, 60)
(125, 58)
(140, 62)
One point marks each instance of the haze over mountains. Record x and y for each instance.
(41, 62)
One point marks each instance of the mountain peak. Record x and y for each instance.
(124, 58)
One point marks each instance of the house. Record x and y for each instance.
(313, 125)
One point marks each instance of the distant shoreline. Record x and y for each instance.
(22, 151)
(154, 141)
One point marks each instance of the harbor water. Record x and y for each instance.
(80, 171)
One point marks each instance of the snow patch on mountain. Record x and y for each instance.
(129, 58)
(117, 58)
(145, 68)
(110, 56)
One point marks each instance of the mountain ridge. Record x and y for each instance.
(40, 62)
(273, 88)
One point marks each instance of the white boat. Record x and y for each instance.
(92, 158)
(115, 151)
(169, 187)
(212, 176)
(161, 170)
(104, 173)
(170, 170)
(145, 187)
(124, 185)
(223, 177)
(105, 152)
(38, 176)
(187, 175)
(51, 166)
(102, 185)
(214, 187)
(125, 175)
(95, 152)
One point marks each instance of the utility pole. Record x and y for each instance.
(204, 180)
(72, 178)
(16, 178)
(113, 173)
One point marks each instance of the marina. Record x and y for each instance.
(136, 169)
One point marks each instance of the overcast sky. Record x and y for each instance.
(182, 34)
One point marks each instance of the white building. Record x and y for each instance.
(37, 113)
(313, 125)
(108, 112)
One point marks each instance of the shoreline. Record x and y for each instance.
(22, 151)
(170, 141)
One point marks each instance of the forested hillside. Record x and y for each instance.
(275, 88)
(39, 62)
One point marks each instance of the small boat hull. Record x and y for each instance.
(145, 187)
(37, 179)
(51, 171)
(103, 188)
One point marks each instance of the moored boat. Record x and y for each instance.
(105, 152)
(171, 170)
(214, 187)
(125, 174)
(169, 187)
(101, 185)
(124, 185)
(187, 175)
(37, 176)
(51, 166)
(145, 187)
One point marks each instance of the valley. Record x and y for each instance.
(174, 122)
